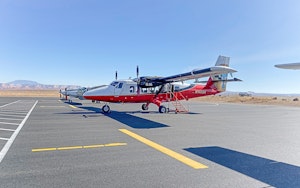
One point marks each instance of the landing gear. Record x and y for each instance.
(145, 107)
(106, 109)
(162, 109)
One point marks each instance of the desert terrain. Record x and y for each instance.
(264, 100)
(29, 93)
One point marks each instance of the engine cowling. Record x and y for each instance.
(149, 81)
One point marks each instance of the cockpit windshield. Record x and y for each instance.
(114, 83)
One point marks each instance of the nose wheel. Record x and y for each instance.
(106, 109)
(163, 109)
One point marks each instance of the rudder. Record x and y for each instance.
(220, 80)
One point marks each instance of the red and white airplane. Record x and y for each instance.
(76, 93)
(157, 90)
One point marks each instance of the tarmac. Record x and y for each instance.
(46, 142)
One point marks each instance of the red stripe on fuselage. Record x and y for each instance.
(193, 92)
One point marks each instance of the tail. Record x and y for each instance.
(218, 82)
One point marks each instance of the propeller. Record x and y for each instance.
(137, 80)
(116, 75)
(147, 81)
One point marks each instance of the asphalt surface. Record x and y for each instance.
(215, 145)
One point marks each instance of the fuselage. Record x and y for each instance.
(294, 66)
(126, 91)
(76, 93)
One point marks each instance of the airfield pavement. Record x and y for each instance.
(269, 100)
(46, 142)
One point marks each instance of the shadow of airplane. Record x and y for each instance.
(134, 121)
(125, 117)
(274, 173)
(72, 103)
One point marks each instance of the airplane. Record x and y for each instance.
(156, 90)
(77, 93)
(293, 66)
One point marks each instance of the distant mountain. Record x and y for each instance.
(24, 82)
(253, 94)
(32, 85)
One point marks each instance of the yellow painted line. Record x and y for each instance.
(93, 146)
(72, 106)
(70, 147)
(78, 147)
(115, 144)
(43, 149)
(175, 155)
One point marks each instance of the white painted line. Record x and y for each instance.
(9, 104)
(9, 115)
(6, 123)
(12, 112)
(15, 119)
(6, 139)
(12, 130)
(14, 135)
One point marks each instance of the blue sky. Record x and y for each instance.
(85, 42)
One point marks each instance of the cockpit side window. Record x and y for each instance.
(120, 85)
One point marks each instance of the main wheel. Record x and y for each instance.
(162, 109)
(105, 109)
(145, 107)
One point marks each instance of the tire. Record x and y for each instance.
(162, 109)
(105, 109)
(145, 107)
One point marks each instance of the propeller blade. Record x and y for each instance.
(138, 80)
(116, 75)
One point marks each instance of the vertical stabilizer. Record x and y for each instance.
(223, 61)
(220, 80)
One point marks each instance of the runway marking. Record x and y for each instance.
(173, 154)
(72, 106)
(69, 148)
(12, 119)
(6, 123)
(6, 139)
(52, 106)
(16, 132)
(78, 147)
(11, 112)
(9, 104)
(11, 115)
(12, 130)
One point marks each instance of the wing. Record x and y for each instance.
(194, 74)
(199, 73)
(289, 66)
(221, 68)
